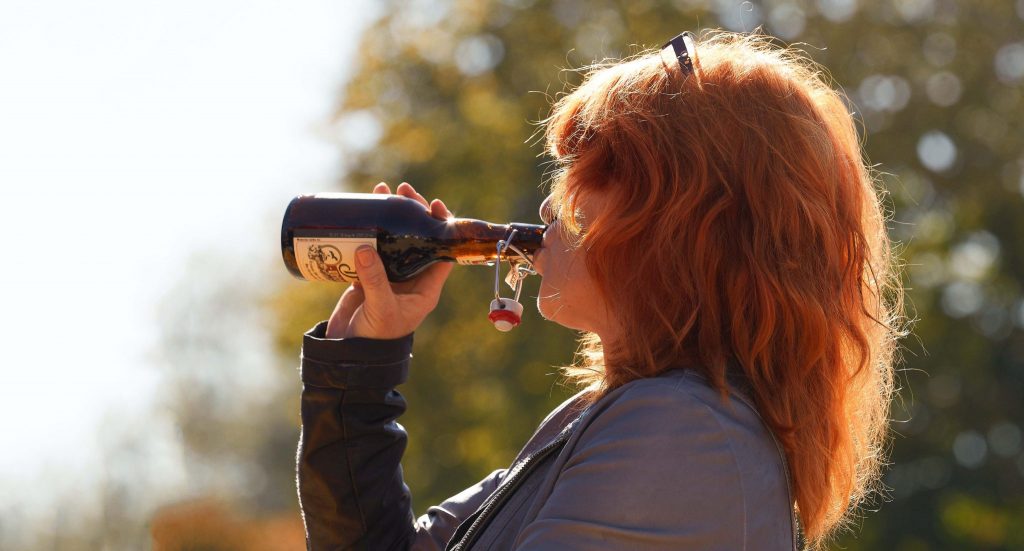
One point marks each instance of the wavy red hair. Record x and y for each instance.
(748, 230)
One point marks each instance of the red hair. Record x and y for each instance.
(747, 229)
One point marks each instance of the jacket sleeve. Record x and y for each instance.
(351, 491)
(629, 484)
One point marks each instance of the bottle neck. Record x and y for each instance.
(476, 241)
(528, 237)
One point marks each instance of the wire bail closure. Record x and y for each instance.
(507, 313)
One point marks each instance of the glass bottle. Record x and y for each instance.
(320, 233)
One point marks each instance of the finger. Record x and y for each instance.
(381, 188)
(430, 283)
(350, 300)
(439, 210)
(407, 190)
(372, 278)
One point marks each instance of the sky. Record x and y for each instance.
(132, 134)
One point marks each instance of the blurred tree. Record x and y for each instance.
(209, 525)
(443, 98)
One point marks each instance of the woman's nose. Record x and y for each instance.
(545, 210)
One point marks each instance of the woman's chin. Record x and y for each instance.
(546, 308)
(553, 310)
(540, 308)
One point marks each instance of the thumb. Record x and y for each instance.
(372, 277)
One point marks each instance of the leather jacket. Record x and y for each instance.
(659, 463)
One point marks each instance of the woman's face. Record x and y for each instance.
(568, 295)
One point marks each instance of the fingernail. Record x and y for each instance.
(365, 256)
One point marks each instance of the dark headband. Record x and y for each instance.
(684, 50)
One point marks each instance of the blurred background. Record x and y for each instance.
(150, 334)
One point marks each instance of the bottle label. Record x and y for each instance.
(473, 260)
(330, 258)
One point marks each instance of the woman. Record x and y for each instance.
(716, 236)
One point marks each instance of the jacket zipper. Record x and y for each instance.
(514, 480)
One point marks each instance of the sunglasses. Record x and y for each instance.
(683, 50)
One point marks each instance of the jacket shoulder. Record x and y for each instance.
(685, 448)
(686, 396)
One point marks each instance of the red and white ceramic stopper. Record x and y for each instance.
(505, 314)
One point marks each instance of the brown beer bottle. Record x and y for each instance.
(321, 232)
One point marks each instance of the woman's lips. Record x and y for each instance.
(536, 263)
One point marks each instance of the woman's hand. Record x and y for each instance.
(375, 308)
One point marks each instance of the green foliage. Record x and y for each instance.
(935, 84)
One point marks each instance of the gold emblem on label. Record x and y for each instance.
(330, 263)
